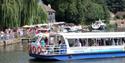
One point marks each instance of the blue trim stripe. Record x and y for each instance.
(80, 56)
(99, 51)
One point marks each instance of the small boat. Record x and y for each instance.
(72, 46)
(98, 25)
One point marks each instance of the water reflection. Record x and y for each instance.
(18, 53)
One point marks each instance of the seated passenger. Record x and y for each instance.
(77, 43)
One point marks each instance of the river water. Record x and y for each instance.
(18, 53)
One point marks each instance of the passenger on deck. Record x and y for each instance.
(46, 40)
(77, 43)
(43, 44)
(59, 42)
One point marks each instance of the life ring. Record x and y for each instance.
(43, 50)
(33, 50)
(39, 50)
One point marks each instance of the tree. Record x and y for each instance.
(95, 11)
(14, 13)
(9, 11)
(41, 15)
(48, 1)
(62, 8)
(102, 2)
(116, 5)
(77, 11)
(81, 10)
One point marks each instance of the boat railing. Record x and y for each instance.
(56, 49)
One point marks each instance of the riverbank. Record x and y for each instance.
(10, 41)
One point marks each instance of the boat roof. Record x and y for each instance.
(93, 35)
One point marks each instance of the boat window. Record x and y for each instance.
(114, 41)
(34, 39)
(91, 42)
(108, 42)
(96, 42)
(100, 42)
(83, 42)
(52, 40)
(74, 43)
(120, 41)
(60, 40)
(56, 40)
(123, 40)
(117, 41)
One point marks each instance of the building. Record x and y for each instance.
(121, 19)
(49, 10)
(50, 13)
(120, 23)
(120, 15)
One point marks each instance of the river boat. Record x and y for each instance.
(72, 46)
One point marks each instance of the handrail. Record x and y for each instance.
(56, 49)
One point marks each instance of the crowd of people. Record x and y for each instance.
(8, 34)
(29, 32)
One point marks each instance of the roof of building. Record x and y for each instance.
(120, 14)
(48, 9)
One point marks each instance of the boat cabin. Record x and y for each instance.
(90, 42)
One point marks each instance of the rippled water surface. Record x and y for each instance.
(18, 53)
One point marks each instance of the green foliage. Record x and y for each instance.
(14, 13)
(111, 27)
(102, 2)
(78, 11)
(41, 16)
(116, 5)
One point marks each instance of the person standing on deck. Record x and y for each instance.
(43, 44)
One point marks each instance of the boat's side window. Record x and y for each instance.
(98, 42)
(102, 42)
(90, 42)
(51, 40)
(112, 41)
(57, 40)
(83, 42)
(71, 42)
(77, 43)
(116, 41)
(60, 40)
(74, 43)
(120, 41)
(108, 42)
(123, 40)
